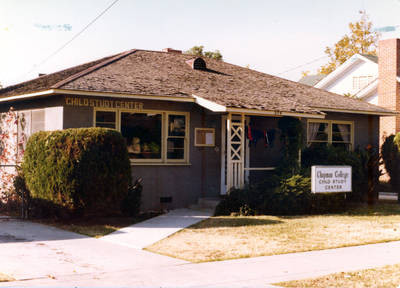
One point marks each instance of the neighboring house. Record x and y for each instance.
(357, 77)
(374, 79)
(187, 119)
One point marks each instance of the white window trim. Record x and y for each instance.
(164, 134)
(330, 123)
(203, 145)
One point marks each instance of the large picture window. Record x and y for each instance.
(151, 136)
(143, 134)
(336, 133)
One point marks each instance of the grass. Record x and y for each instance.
(96, 227)
(387, 276)
(222, 238)
(5, 278)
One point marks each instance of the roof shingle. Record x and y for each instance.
(142, 72)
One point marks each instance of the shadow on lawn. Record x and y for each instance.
(220, 222)
(381, 208)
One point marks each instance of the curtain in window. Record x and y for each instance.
(313, 131)
(344, 130)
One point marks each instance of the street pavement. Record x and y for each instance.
(39, 255)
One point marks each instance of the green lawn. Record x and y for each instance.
(387, 276)
(221, 238)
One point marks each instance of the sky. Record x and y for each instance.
(278, 37)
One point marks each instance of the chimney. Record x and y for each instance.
(170, 50)
(388, 85)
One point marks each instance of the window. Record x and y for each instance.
(106, 119)
(151, 136)
(176, 136)
(359, 82)
(143, 134)
(336, 133)
(204, 137)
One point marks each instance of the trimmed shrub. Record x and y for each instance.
(83, 170)
(391, 159)
(291, 196)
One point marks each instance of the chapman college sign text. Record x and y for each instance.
(328, 179)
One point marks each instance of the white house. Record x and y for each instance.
(358, 76)
(374, 79)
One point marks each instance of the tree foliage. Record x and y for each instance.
(199, 51)
(362, 39)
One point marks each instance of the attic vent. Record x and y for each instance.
(197, 63)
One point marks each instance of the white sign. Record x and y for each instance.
(329, 179)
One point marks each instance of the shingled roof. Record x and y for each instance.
(142, 72)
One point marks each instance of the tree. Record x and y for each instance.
(199, 51)
(362, 39)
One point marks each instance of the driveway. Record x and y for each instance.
(36, 255)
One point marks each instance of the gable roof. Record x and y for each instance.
(348, 64)
(370, 57)
(311, 80)
(142, 72)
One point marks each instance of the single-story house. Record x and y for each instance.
(195, 127)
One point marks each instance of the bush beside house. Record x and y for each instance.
(391, 159)
(288, 190)
(85, 170)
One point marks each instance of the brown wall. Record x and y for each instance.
(184, 183)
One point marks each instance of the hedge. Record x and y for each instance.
(84, 169)
(289, 196)
(391, 159)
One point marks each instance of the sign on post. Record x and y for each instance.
(330, 179)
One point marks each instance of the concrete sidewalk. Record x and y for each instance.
(145, 233)
(251, 272)
(39, 255)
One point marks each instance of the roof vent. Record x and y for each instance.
(197, 63)
(170, 50)
(42, 74)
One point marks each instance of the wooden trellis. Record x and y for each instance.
(235, 132)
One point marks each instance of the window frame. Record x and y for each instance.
(358, 80)
(203, 145)
(330, 131)
(186, 137)
(117, 119)
(164, 134)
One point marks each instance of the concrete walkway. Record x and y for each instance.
(145, 233)
(36, 255)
